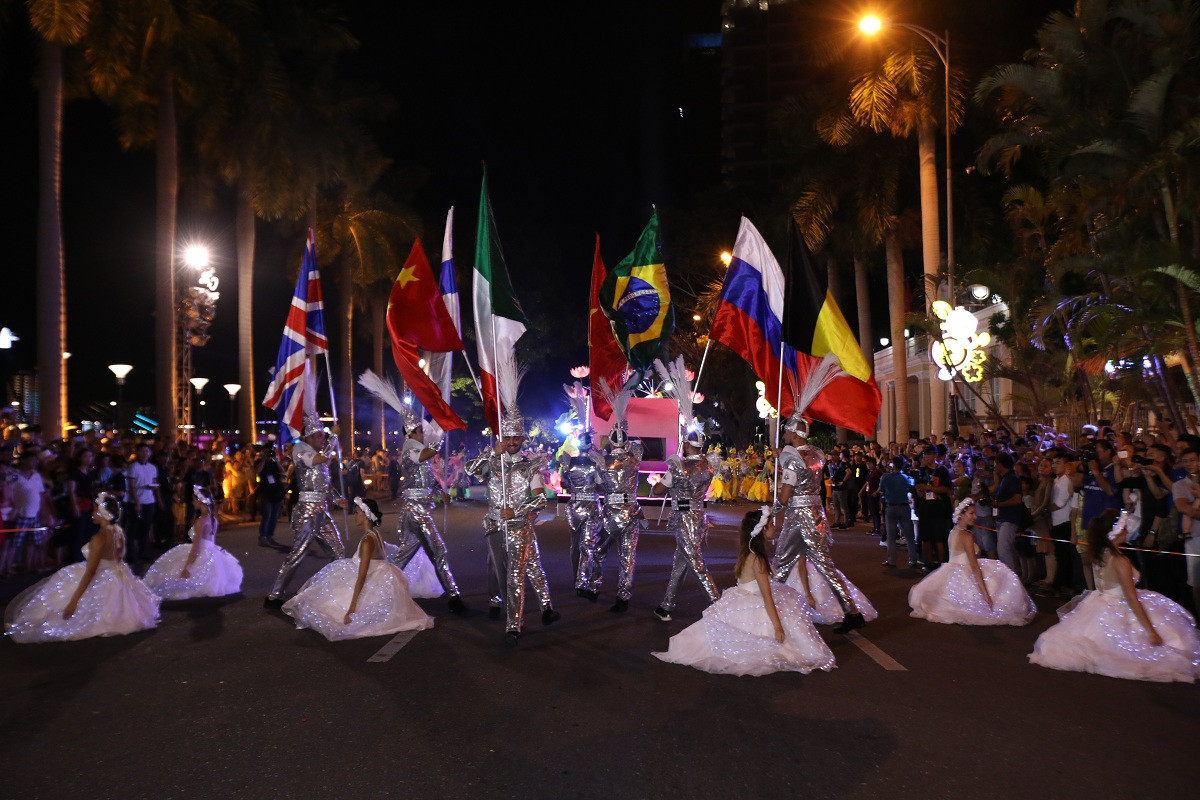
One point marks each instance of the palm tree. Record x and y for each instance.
(364, 237)
(1107, 102)
(145, 57)
(58, 24)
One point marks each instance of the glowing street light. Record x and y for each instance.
(726, 258)
(233, 389)
(119, 371)
(196, 256)
(198, 384)
(7, 337)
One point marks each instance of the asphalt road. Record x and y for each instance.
(225, 699)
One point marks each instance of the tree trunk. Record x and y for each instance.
(862, 296)
(931, 248)
(834, 285)
(166, 177)
(895, 282)
(378, 336)
(346, 369)
(51, 276)
(247, 400)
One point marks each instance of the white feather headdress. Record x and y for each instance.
(804, 394)
(681, 389)
(508, 384)
(384, 390)
(577, 396)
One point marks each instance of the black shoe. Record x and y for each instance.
(849, 623)
(889, 563)
(494, 612)
(581, 592)
(273, 603)
(589, 595)
(550, 616)
(511, 638)
(620, 607)
(662, 614)
(456, 604)
(264, 541)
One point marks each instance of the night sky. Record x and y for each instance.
(575, 108)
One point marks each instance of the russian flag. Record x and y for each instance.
(749, 316)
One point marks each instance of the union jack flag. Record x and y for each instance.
(303, 336)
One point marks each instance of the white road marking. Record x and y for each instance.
(878, 656)
(392, 647)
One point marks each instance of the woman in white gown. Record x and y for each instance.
(362, 595)
(968, 590)
(756, 627)
(1115, 629)
(96, 597)
(199, 569)
(816, 591)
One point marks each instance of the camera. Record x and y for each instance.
(1142, 460)
(1088, 453)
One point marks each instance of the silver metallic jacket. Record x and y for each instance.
(515, 491)
(690, 478)
(419, 481)
(808, 462)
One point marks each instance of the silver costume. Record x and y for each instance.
(416, 528)
(805, 531)
(311, 522)
(582, 478)
(621, 520)
(512, 546)
(687, 479)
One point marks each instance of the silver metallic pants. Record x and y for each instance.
(620, 526)
(513, 552)
(418, 530)
(806, 533)
(311, 525)
(690, 529)
(584, 519)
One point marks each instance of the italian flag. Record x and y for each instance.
(499, 320)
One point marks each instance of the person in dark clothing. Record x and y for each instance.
(933, 496)
(272, 488)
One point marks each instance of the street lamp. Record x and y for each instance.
(198, 384)
(871, 25)
(233, 389)
(119, 371)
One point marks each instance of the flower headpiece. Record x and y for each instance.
(366, 509)
(960, 508)
(762, 521)
(1119, 526)
(102, 507)
(200, 494)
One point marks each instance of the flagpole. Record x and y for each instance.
(470, 369)
(778, 424)
(499, 417)
(341, 456)
(703, 360)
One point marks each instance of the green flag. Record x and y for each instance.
(637, 300)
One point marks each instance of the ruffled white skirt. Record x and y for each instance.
(735, 636)
(214, 573)
(384, 606)
(828, 611)
(1099, 633)
(950, 594)
(115, 603)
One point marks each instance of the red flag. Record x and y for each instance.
(417, 319)
(607, 361)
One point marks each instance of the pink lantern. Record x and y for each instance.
(697, 397)
(580, 372)
(691, 376)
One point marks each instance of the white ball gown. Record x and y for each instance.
(1099, 633)
(214, 573)
(423, 583)
(385, 605)
(951, 594)
(826, 609)
(735, 636)
(115, 603)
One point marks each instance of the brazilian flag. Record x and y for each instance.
(637, 301)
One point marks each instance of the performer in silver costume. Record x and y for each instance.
(621, 517)
(419, 498)
(516, 492)
(687, 478)
(805, 531)
(581, 479)
(311, 523)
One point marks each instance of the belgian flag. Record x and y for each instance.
(813, 324)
